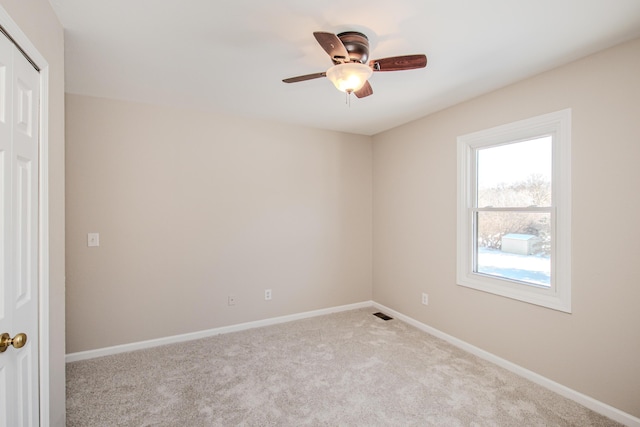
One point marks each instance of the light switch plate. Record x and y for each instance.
(93, 239)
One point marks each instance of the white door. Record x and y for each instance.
(19, 106)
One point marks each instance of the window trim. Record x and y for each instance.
(558, 125)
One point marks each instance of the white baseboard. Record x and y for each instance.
(584, 400)
(107, 351)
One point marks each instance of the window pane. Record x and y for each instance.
(514, 245)
(515, 175)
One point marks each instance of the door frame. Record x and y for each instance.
(20, 38)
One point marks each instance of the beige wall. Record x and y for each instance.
(39, 23)
(193, 207)
(594, 350)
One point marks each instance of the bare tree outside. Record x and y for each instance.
(535, 191)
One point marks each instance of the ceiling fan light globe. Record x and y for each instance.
(349, 77)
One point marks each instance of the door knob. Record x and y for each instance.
(18, 341)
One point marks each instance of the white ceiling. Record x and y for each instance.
(231, 55)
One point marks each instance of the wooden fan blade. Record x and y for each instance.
(333, 46)
(366, 90)
(398, 63)
(305, 77)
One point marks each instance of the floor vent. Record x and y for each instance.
(382, 316)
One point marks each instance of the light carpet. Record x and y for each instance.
(343, 369)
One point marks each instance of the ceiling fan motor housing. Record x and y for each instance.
(357, 44)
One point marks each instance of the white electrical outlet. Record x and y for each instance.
(267, 294)
(425, 299)
(231, 300)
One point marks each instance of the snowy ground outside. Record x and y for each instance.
(527, 268)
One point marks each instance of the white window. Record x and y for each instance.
(514, 210)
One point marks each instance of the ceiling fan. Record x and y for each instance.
(349, 52)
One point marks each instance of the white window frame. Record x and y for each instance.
(557, 125)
